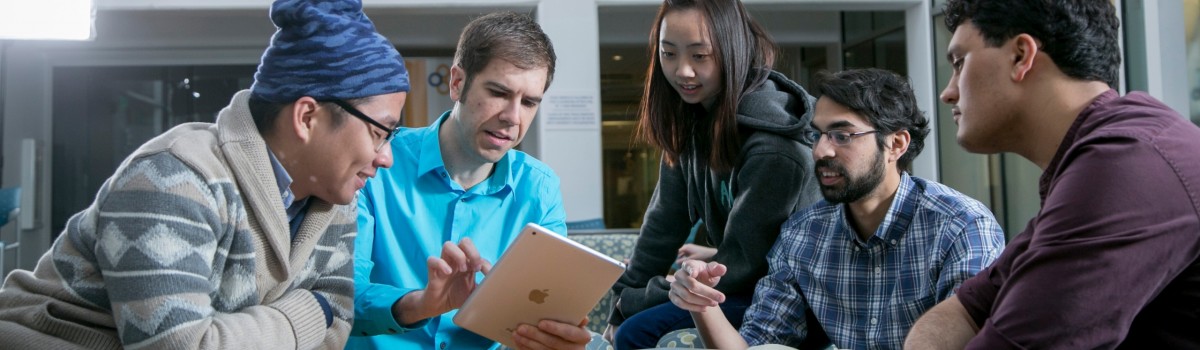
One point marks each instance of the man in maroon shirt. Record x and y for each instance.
(1110, 261)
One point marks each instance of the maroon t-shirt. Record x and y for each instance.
(1110, 261)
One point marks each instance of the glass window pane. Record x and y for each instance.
(1191, 15)
(102, 114)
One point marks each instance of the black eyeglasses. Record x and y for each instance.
(391, 133)
(838, 137)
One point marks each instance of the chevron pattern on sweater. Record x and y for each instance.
(136, 326)
(161, 243)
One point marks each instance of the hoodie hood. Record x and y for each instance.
(780, 106)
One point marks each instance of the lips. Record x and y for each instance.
(689, 89)
(496, 139)
(829, 173)
(499, 135)
(361, 179)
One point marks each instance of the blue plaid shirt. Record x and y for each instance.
(867, 294)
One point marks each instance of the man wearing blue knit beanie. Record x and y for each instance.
(233, 235)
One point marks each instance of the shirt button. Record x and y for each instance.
(878, 270)
(464, 200)
(856, 249)
(893, 242)
(442, 345)
(873, 321)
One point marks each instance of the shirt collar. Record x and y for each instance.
(284, 181)
(1068, 140)
(899, 215)
(430, 160)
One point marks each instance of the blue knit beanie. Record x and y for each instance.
(326, 49)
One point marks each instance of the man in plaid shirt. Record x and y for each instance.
(860, 267)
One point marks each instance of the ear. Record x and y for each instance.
(898, 145)
(302, 117)
(1025, 49)
(458, 77)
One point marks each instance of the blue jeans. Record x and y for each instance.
(643, 330)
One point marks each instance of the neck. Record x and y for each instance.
(292, 163)
(1050, 111)
(867, 213)
(464, 169)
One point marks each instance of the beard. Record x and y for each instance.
(853, 187)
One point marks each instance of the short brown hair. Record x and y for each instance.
(513, 37)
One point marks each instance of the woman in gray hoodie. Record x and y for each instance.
(730, 129)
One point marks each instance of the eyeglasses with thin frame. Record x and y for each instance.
(838, 137)
(391, 132)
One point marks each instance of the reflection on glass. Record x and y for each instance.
(102, 114)
(1191, 15)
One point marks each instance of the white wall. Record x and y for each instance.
(573, 149)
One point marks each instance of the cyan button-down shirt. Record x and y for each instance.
(867, 294)
(405, 214)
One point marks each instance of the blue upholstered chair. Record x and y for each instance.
(10, 200)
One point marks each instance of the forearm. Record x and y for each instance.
(410, 309)
(716, 331)
(295, 321)
(945, 326)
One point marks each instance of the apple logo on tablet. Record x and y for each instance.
(538, 296)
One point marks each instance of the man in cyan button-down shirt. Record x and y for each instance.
(456, 197)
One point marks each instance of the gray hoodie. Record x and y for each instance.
(742, 209)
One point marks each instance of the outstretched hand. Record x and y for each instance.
(451, 279)
(692, 288)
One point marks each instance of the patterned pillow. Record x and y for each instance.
(618, 245)
(686, 338)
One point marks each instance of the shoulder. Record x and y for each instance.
(945, 203)
(527, 168)
(530, 177)
(187, 148)
(805, 228)
(820, 213)
(771, 147)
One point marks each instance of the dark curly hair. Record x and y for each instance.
(1080, 36)
(885, 99)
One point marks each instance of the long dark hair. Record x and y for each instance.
(744, 52)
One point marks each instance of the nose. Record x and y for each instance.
(823, 148)
(950, 93)
(684, 70)
(511, 114)
(383, 158)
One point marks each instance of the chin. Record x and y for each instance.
(341, 198)
(973, 145)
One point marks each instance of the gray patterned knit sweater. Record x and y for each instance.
(187, 246)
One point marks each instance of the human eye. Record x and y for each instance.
(839, 136)
(956, 64)
(529, 103)
(666, 54)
